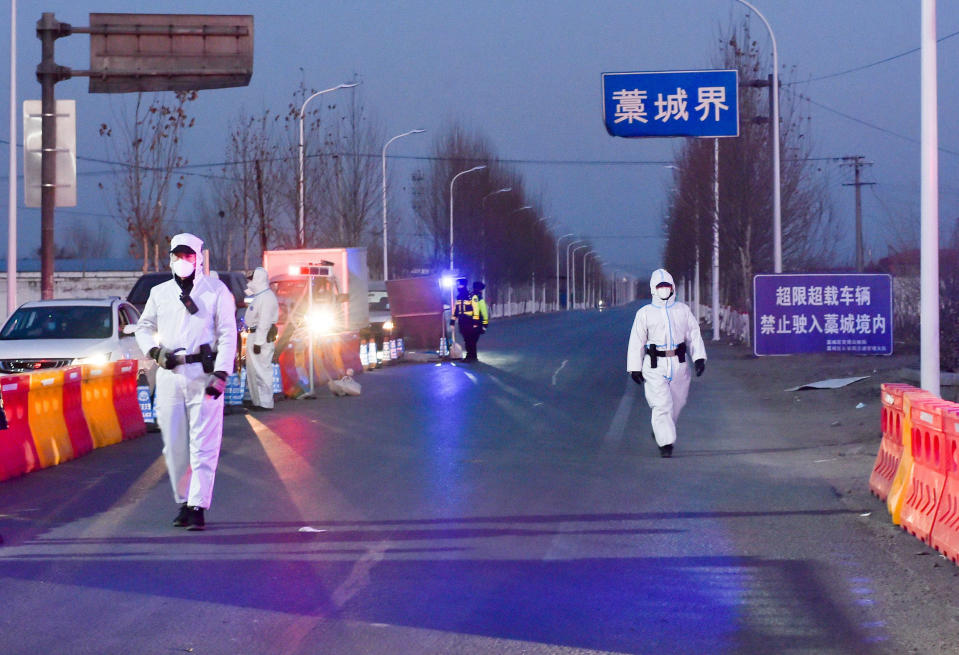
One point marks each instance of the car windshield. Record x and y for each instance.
(59, 322)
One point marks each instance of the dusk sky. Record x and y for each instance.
(527, 75)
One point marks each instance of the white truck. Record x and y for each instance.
(340, 280)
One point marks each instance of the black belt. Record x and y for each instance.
(654, 353)
(193, 359)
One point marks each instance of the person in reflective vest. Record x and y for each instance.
(664, 340)
(463, 310)
(480, 316)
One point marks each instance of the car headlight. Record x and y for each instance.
(97, 359)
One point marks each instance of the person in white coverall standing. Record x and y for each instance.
(261, 317)
(189, 327)
(664, 339)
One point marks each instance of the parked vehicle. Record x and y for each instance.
(45, 334)
(235, 281)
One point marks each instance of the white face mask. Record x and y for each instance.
(664, 292)
(182, 267)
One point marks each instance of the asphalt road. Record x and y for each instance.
(516, 505)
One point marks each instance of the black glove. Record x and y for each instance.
(700, 365)
(637, 376)
(216, 384)
(164, 357)
(256, 349)
(483, 329)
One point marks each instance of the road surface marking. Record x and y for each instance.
(617, 427)
(558, 370)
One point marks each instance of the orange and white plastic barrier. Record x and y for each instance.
(57, 415)
(944, 536)
(928, 471)
(890, 449)
(923, 495)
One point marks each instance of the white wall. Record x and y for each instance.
(91, 284)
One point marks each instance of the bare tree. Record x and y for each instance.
(351, 181)
(149, 145)
(809, 230)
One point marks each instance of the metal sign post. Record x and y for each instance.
(129, 53)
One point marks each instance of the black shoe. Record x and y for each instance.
(666, 451)
(194, 519)
(181, 517)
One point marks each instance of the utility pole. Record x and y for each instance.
(857, 162)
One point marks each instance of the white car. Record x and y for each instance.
(46, 334)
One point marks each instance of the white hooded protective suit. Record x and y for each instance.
(665, 324)
(263, 311)
(191, 421)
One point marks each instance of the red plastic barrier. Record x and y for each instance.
(73, 411)
(945, 531)
(890, 448)
(350, 354)
(125, 399)
(18, 453)
(292, 374)
(929, 469)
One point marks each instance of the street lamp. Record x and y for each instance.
(300, 226)
(558, 241)
(585, 257)
(503, 190)
(777, 206)
(569, 291)
(573, 285)
(471, 170)
(386, 274)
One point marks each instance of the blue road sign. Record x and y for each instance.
(815, 313)
(672, 103)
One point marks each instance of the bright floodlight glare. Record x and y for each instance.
(321, 321)
(447, 281)
(388, 325)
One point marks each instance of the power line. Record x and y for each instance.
(865, 66)
(871, 125)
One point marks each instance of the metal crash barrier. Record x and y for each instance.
(58, 415)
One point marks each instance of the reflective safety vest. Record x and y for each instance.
(463, 308)
(480, 312)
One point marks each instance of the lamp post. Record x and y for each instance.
(503, 190)
(386, 274)
(300, 226)
(777, 205)
(573, 285)
(569, 291)
(558, 241)
(471, 170)
(585, 257)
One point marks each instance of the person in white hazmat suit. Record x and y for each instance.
(664, 339)
(261, 316)
(189, 327)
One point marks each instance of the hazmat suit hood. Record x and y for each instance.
(661, 275)
(193, 242)
(259, 283)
